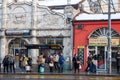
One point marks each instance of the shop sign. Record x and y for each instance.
(98, 41)
(115, 42)
(17, 32)
(103, 42)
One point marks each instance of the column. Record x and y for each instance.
(34, 52)
(3, 50)
(69, 15)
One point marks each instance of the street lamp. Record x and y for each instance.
(109, 38)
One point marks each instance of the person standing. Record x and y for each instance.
(24, 62)
(29, 61)
(5, 64)
(118, 61)
(89, 63)
(51, 63)
(61, 63)
(11, 60)
(41, 63)
(0, 64)
(56, 58)
(76, 63)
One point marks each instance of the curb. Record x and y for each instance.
(47, 73)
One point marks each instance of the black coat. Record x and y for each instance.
(75, 59)
(118, 59)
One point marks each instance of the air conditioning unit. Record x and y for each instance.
(80, 26)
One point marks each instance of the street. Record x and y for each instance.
(56, 77)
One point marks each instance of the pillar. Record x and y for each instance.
(34, 52)
(3, 47)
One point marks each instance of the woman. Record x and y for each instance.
(41, 62)
(76, 63)
(89, 63)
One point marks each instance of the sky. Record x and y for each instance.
(61, 2)
(53, 2)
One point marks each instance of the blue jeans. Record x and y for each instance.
(61, 65)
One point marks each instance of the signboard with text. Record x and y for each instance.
(103, 41)
(17, 32)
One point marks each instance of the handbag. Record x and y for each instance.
(78, 62)
(51, 64)
(80, 67)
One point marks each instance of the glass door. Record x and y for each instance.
(101, 58)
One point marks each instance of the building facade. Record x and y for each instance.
(27, 23)
(90, 35)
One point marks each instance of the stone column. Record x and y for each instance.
(34, 52)
(3, 50)
(69, 16)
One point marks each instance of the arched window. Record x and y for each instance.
(103, 32)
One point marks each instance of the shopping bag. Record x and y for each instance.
(27, 68)
(78, 62)
(80, 67)
(41, 69)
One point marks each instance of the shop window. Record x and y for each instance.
(42, 40)
(59, 41)
(50, 41)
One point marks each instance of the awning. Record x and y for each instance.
(44, 46)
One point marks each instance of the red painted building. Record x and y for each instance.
(90, 36)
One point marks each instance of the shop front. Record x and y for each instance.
(92, 37)
(98, 47)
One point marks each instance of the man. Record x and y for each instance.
(118, 61)
(11, 60)
(61, 63)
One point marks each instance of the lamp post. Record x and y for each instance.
(109, 38)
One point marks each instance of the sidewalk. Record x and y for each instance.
(66, 72)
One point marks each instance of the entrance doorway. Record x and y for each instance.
(99, 59)
(16, 48)
(98, 46)
(101, 56)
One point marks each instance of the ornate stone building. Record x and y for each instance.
(27, 23)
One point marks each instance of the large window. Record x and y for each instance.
(51, 41)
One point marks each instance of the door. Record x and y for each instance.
(101, 58)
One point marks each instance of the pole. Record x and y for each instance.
(109, 38)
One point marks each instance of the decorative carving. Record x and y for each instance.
(18, 19)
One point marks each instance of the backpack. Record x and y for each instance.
(11, 60)
(5, 61)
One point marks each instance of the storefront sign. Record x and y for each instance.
(98, 41)
(115, 42)
(17, 32)
(103, 42)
